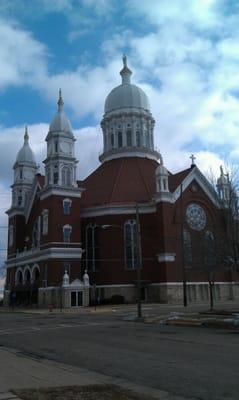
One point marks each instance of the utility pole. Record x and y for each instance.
(185, 302)
(139, 263)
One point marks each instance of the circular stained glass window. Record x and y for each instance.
(196, 217)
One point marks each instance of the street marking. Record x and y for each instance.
(33, 329)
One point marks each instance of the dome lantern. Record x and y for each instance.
(125, 72)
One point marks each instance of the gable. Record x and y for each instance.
(204, 184)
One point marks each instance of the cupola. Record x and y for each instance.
(127, 124)
(60, 164)
(161, 175)
(25, 169)
(223, 185)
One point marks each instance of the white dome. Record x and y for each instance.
(126, 96)
(25, 154)
(61, 123)
(161, 170)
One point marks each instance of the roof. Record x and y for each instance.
(174, 180)
(119, 181)
(41, 179)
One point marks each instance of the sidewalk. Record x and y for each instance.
(22, 372)
(158, 309)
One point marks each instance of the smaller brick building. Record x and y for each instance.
(71, 241)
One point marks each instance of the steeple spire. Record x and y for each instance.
(125, 72)
(26, 136)
(60, 102)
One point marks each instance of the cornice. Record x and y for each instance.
(146, 208)
(141, 152)
(61, 191)
(41, 255)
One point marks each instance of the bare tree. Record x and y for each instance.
(227, 251)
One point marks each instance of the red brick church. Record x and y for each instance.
(71, 241)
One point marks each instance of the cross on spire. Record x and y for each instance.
(193, 158)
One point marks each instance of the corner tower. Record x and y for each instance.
(127, 124)
(60, 164)
(24, 173)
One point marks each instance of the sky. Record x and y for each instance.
(184, 54)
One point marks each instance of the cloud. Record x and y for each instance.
(22, 58)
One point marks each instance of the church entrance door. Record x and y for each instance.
(76, 298)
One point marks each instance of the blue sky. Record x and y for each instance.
(183, 53)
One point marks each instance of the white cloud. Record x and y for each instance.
(22, 58)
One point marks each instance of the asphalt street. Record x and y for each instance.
(194, 362)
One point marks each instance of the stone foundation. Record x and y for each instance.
(105, 293)
(196, 292)
(171, 293)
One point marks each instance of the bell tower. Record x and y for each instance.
(60, 164)
(24, 173)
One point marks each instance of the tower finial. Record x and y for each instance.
(26, 136)
(124, 61)
(60, 101)
(125, 72)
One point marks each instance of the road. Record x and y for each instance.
(194, 362)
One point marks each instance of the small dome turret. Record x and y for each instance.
(60, 123)
(223, 185)
(25, 154)
(161, 176)
(161, 170)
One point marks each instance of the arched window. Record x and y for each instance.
(130, 244)
(45, 214)
(19, 198)
(10, 235)
(36, 232)
(151, 141)
(128, 138)
(147, 140)
(92, 248)
(67, 229)
(120, 139)
(67, 206)
(187, 249)
(209, 250)
(138, 139)
(112, 140)
(35, 273)
(66, 176)
(19, 277)
(27, 275)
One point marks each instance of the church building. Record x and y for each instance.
(131, 222)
